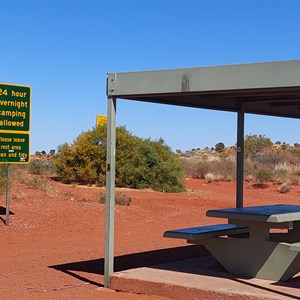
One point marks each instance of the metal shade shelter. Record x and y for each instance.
(271, 88)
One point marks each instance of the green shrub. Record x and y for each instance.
(263, 176)
(152, 165)
(140, 163)
(83, 161)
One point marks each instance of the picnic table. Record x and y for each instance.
(257, 241)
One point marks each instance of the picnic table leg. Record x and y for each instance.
(265, 260)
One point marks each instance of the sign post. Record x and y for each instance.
(8, 194)
(15, 104)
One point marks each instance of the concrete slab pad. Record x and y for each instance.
(201, 278)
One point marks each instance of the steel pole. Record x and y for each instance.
(8, 194)
(240, 157)
(110, 190)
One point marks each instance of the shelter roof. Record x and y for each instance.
(271, 88)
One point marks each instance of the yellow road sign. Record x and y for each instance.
(101, 120)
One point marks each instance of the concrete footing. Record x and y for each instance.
(201, 278)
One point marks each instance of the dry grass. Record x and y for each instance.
(73, 197)
(19, 195)
(3, 176)
(221, 168)
(284, 188)
(41, 183)
(120, 199)
(279, 166)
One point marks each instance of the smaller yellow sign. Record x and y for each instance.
(101, 120)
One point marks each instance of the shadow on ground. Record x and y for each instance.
(187, 259)
(131, 261)
(3, 213)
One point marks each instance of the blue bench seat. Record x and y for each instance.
(204, 232)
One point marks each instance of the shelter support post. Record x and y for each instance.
(110, 190)
(240, 157)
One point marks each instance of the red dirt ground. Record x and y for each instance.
(54, 246)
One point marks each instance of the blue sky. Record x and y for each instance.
(63, 50)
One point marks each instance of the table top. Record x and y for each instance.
(269, 213)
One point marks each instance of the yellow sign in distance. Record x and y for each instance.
(101, 120)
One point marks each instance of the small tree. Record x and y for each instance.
(256, 143)
(220, 147)
(52, 152)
